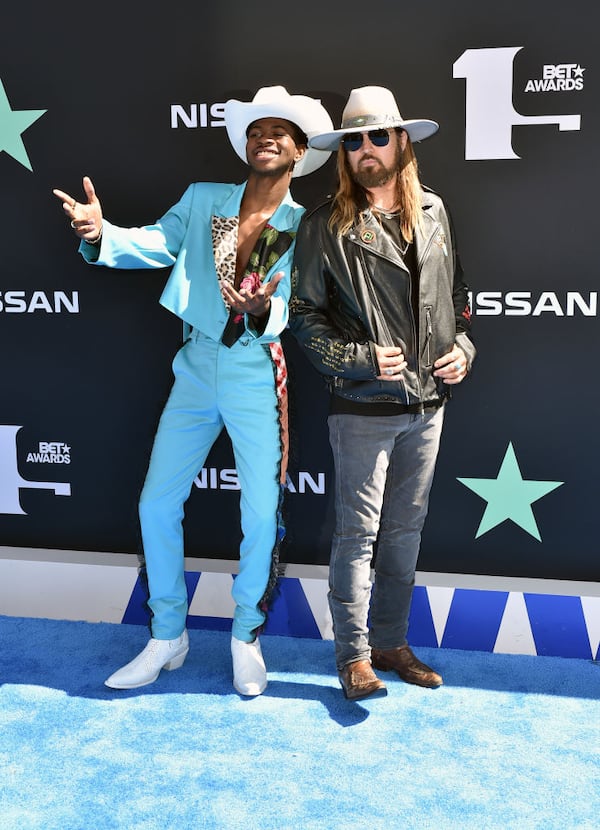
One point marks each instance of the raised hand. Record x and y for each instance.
(253, 300)
(86, 218)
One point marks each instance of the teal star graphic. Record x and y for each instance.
(509, 496)
(12, 124)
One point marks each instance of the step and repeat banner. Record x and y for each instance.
(132, 95)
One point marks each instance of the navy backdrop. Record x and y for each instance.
(132, 96)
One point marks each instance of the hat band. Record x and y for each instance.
(368, 120)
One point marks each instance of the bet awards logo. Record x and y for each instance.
(562, 77)
(11, 481)
(490, 114)
(50, 452)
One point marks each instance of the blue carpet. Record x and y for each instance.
(508, 741)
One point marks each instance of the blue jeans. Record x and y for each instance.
(384, 468)
(214, 387)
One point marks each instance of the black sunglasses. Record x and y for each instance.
(353, 141)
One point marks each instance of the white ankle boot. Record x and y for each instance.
(145, 668)
(249, 671)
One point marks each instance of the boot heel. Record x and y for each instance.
(176, 662)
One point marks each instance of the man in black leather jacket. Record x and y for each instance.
(381, 309)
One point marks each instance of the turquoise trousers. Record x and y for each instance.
(214, 387)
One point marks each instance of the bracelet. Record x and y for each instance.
(95, 241)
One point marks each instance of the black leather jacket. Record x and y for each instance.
(336, 316)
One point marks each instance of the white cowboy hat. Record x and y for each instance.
(276, 102)
(372, 108)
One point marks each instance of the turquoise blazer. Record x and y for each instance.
(182, 239)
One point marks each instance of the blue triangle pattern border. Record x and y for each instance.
(557, 624)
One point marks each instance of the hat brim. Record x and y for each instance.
(305, 112)
(418, 129)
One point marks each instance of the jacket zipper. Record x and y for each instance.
(428, 335)
(428, 323)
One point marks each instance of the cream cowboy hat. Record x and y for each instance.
(276, 102)
(372, 108)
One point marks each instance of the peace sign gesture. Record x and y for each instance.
(86, 219)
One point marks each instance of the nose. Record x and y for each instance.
(366, 142)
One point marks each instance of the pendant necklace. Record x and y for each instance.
(389, 213)
(382, 213)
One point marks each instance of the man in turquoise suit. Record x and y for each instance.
(230, 248)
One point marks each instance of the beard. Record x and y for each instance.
(373, 178)
(274, 172)
(377, 176)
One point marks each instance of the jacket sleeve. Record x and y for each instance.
(151, 246)
(336, 345)
(462, 305)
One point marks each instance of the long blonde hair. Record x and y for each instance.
(350, 195)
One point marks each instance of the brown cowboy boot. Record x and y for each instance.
(358, 680)
(404, 662)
